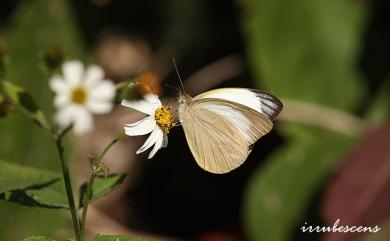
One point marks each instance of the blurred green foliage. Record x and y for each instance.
(380, 108)
(37, 25)
(98, 238)
(304, 50)
(307, 49)
(116, 237)
(38, 238)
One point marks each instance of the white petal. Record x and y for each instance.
(157, 146)
(140, 105)
(93, 75)
(61, 100)
(153, 99)
(99, 107)
(58, 85)
(73, 72)
(79, 116)
(143, 127)
(105, 90)
(83, 121)
(64, 116)
(165, 141)
(135, 123)
(150, 141)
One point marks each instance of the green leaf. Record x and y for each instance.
(38, 238)
(24, 100)
(29, 196)
(15, 176)
(101, 187)
(116, 238)
(50, 196)
(31, 187)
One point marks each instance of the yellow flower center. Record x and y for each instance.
(164, 118)
(79, 95)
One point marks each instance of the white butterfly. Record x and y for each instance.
(222, 125)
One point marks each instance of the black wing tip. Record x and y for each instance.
(273, 105)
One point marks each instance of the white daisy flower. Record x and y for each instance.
(80, 93)
(158, 121)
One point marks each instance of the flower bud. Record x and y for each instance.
(53, 58)
(3, 52)
(6, 106)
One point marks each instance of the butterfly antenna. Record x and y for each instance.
(178, 75)
(173, 87)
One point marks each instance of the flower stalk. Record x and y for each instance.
(98, 168)
(68, 187)
(86, 204)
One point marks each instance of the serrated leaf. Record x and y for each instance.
(117, 238)
(101, 187)
(24, 100)
(37, 238)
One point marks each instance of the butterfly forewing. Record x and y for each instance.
(220, 133)
(258, 100)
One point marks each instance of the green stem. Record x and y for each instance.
(86, 204)
(118, 138)
(68, 187)
(91, 181)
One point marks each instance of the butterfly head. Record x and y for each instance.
(184, 98)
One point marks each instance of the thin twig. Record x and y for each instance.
(213, 74)
(104, 152)
(322, 116)
(89, 194)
